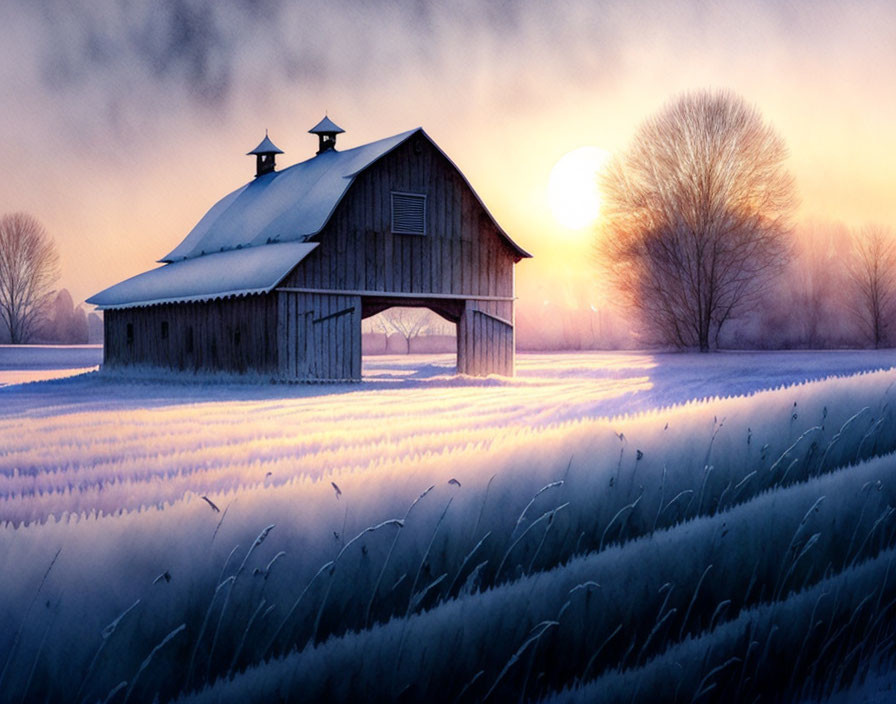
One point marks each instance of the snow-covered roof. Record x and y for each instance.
(265, 147)
(289, 205)
(282, 206)
(232, 273)
(326, 126)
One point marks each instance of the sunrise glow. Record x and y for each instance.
(573, 191)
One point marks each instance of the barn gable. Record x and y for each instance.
(360, 251)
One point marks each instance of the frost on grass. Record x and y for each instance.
(434, 538)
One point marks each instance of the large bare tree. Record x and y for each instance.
(696, 217)
(872, 272)
(29, 266)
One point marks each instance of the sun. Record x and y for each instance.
(573, 193)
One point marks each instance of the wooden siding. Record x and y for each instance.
(319, 336)
(236, 335)
(485, 342)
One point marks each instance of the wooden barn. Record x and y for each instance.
(277, 276)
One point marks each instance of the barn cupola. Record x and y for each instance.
(264, 156)
(326, 131)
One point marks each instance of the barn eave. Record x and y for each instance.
(237, 272)
(225, 295)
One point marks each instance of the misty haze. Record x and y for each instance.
(447, 352)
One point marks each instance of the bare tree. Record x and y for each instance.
(872, 273)
(696, 217)
(407, 322)
(29, 266)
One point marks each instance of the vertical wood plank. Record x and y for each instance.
(512, 371)
(356, 340)
(341, 343)
(347, 322)
(350, 338)
(317, 309)
(337, 268)
(447, 254)
(332, 339)
(405, 263)
(481, 344)
(326, 331)
(379, 191)
(303, 337)
(370, 248)
(292, 336)
(395, 283)
(416, 264)
(461, 343)
(460, 268)
(329, 331)
(313, 337)
(476, 251)
(387, 261)
(489, 343)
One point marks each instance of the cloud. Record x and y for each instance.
(206, 52)
(176, 42)
(134, 62)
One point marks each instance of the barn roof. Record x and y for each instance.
(266, 147)
(326, 126)
(232, 273)
(292, 204)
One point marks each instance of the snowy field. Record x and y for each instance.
(586, 528)
(20, 364)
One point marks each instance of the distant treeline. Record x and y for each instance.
(63, 323)
(817, 303)
(820, 301)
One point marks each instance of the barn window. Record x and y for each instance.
(409, 213)
(164, 329)
(130, 333)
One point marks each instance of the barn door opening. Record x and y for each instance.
(409, 339)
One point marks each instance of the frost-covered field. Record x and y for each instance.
(23, 363)
(421, 536)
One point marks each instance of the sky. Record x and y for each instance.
(123, 122)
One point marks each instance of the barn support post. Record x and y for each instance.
(484, 342)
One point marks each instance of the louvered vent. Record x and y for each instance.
(408, 214)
